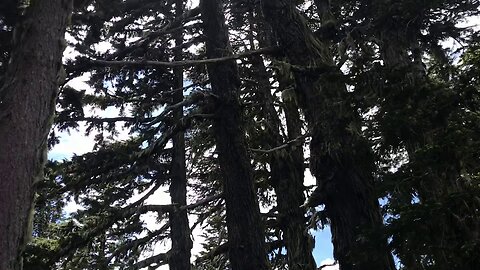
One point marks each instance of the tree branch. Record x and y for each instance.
(280, 147)
(191, 99)
(138, 242)
(104, 120)
(186, 63)
(202, 202)
(170, 207)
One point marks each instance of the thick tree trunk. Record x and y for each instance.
(246, 240)
(287, 173)
(339, 156)
(287, 165)
(180, 228)
(290, 171)
(27, 103)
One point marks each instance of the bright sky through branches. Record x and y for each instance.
(77, 143)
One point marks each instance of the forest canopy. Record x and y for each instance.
(227, 134)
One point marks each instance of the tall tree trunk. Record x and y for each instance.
(246, 240)
(27, 103)
(290, 171)
(287, 171)
(286, 165)
(179, 226)
(339, 157)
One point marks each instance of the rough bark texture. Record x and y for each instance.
(290, 193)
(180, 229)
(246, 238)
(27, 102)
(287, 173)
(339, 156)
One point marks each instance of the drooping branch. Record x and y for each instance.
(138, 242)
(82, 239)
(147, 195)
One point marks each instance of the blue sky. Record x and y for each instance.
(323, 245)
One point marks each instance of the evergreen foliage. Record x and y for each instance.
(386, 93)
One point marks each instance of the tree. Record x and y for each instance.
(27, 103)
(419, 105)
(245, 231)
(344, 177)
(277, 146)
(434, 186)
(180, 228)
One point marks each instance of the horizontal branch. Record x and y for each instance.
(172, 26)
(202, 202)
(186, 63)
(163, 208)
(155, 208)
(280, 147)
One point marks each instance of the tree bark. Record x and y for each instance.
(180, 229)
(246, 238)
(286, 165)
(27, 103)
(290, 171)
(339, 157)
(287, 173)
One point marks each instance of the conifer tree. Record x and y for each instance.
(28, 92)
(344, 177)
(245, 231)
